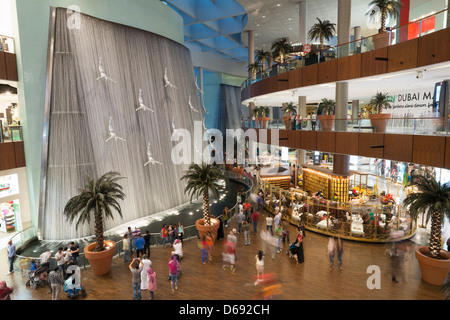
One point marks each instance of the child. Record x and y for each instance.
(259, 263)
(33, 265)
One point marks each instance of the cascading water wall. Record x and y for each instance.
(117, 93)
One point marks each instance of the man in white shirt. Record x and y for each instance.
(313, 121)
(269, 221)
(277, 219)
(59, 256)
(177, 249)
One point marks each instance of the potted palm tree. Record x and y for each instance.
(290, 110)
(98, 198)
(264, 118)
(201, 179)
(261, 57)
(323, 30)
(325, 114)
(381, 9)
(280, 48)
(432, 199)
(253, 69)
(378, 119)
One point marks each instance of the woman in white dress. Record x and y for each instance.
(146, 263)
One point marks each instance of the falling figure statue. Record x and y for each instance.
(142, 106)
(167, 82)
(174, 129)
(191, 106)
(203, 123)
(196, 85)
(204, 109)
(112, 134)
(102, 72)
(150, 158)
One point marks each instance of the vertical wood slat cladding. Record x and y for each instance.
(327, 71)
(246, 93)
(434, 48)
(295, 78)
(429, 150)
(3, 74)
(347, 142)
(326, 141)
(8, 159)
(309, 140)
(349, 67)
(366, 140)
(19, 154)
(447, 153)
(398, 147)
(309, 75)
(283, 81)
(403, 55)
(11, 66)
(370, 65)
(295, 139)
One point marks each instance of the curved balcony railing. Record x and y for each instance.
(362, 219)
(190, 232)
(414, 126)
(412, 30)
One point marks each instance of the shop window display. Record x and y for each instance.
(9, 212)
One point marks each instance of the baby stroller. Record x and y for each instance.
(38, 277)
(73, 289)
(292, 251)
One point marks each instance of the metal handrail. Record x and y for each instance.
(336, 48)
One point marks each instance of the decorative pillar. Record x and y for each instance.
(343, 26)
(341, 163)
(251, 48)
(404, 20)
(303, 9)
(355, 109)
(357, 45)
(301, 108)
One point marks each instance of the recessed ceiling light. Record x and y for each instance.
(290, 19)
(263, 16)
(257, 25)
(278, 4)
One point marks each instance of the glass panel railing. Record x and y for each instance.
(415, 126)
(419, 28)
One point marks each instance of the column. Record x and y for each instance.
(200, 79)
(357, 45)
(251, 48)
(343, 26)
(301, 108)
(355, 109)
(341, 163)
(303, 32)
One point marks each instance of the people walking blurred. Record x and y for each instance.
(147, 243)
(246, 228)
(269, 222)
(136, 269)
(173, 272)
(331, 249)
(279, 237)
(5, 291)
(259, 263)
(151, 279)
(126, 248)
(255, 216)
(11, 249)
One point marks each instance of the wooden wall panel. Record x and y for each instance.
(282, 81)
(11, 66)
(3, 74)
(403, 55)
(273, 84)
(347, 143)
(264, 87)
(295, 78)
(309, 140)
(309, 75)
(398, 147)
(327, 71)
(447, 153)
(434, 48)
(295, 138)
(326, 141)
(19, 153)
(374, 62)
(365, 143)
(7, 159)
(429, 150)
(349, 67)
(246, 93)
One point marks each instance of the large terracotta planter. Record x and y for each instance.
(229, 166)
(238, 170)
(287, 123)
(326, 122)
(434, 271)
(379, 121)
(264, 121)
(381, 40)
(204, 229)
(100, 262)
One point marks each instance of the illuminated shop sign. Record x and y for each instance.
(9, 185)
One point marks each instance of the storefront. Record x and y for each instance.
(14, 213)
